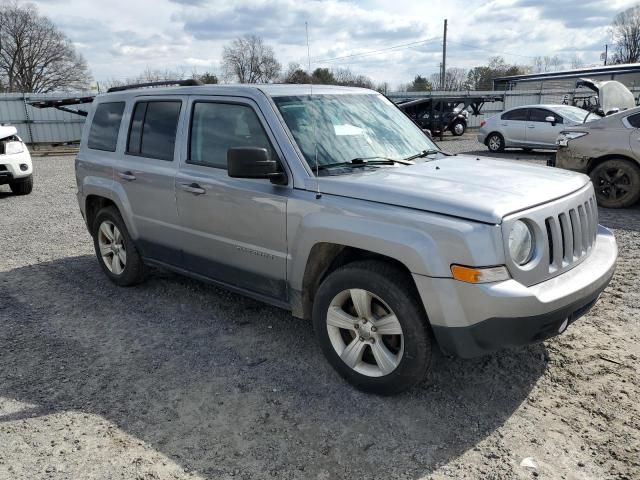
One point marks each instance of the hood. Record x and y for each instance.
(481, 189)
(611, 94)
(6, 131)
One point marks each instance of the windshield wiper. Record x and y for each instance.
(365, 161)
(423, 153)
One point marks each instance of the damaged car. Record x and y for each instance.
(16, 168)
(608, 150)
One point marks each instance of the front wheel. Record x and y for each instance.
(372, 327)
(617, 183)
(23, 186)
(495, 142)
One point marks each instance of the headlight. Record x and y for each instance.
(564, 137)
(11, 148)
(521, 244)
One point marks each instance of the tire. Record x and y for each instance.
(495, 142)
(22, 187)
(458, 128)
(111, 237)
(616, 182)
(380, 363)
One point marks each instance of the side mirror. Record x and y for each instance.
(551, 119)
(253, 162)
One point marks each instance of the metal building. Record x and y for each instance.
(627, 74)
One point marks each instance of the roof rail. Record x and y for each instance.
(182, 83)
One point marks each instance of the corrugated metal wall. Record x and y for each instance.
(40, 125)
(53, 126)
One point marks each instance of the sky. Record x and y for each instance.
(121, 38)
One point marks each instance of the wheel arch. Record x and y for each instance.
(493, 132)
(324, 258)
(594, 162)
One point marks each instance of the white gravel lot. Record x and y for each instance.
(175, 379)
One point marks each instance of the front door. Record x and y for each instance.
(541, 133)
(512, 126)
(234, 230)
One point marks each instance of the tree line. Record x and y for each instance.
(35, 56)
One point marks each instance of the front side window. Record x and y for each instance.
(519, 114)
(343, 127)
(634, 120)
(217, 127)
(105, 126)
(153, 129)
(540, 115)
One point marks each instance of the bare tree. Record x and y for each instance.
(454, 79)
(296, 74)
(249, 60)
(547, 64)
(34, 55)
(626, 36)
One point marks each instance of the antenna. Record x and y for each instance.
(315, 139)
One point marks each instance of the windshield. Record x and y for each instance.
(350, 126)
(575, 114)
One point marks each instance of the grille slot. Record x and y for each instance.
(571, 234)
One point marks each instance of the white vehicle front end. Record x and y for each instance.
(15, 160)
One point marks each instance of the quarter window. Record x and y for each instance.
(153, 129)
(217, 127)
(517, 114)
(105, 126)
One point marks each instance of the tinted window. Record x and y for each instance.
(153, 129)
(518, 114)
(217, 127)
(105, 126)
(540, 114)
(634, 120)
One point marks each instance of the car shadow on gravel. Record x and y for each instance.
(224, 385)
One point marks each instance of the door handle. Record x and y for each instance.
(193, 188)
(531, 126)
(128, 176)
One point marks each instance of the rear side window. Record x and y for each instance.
(153, 129)
(105, 126)
(634, 120)
(217, 127)
(517, 114)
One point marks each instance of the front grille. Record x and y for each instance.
(571, 234)
(3, 168)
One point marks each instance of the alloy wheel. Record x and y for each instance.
(365, 332)
(112, 249)
(494, 143)
(613, 183)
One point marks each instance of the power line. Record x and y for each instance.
(373, 52)
(490, 51)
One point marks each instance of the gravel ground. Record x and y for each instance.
(176, 379)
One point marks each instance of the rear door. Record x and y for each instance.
(234, 229)
(146, 172)
(539, 132)
(512, 126)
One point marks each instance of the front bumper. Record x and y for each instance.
(471, 320)
(10, 167)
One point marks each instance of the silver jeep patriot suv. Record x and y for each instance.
(333, 204)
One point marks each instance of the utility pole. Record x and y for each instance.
(606, 52)
(444, 57)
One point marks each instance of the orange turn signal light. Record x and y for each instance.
(479, 275)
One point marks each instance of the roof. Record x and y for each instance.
(576, 72)
(273, 90)
(544, 105)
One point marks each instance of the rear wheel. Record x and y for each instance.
(372, 328)
(116, 252)
(458, 128)
(617, 183)
(495, 142)
(22, 187)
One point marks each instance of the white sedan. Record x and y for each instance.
(530, 126)
(16, 168)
